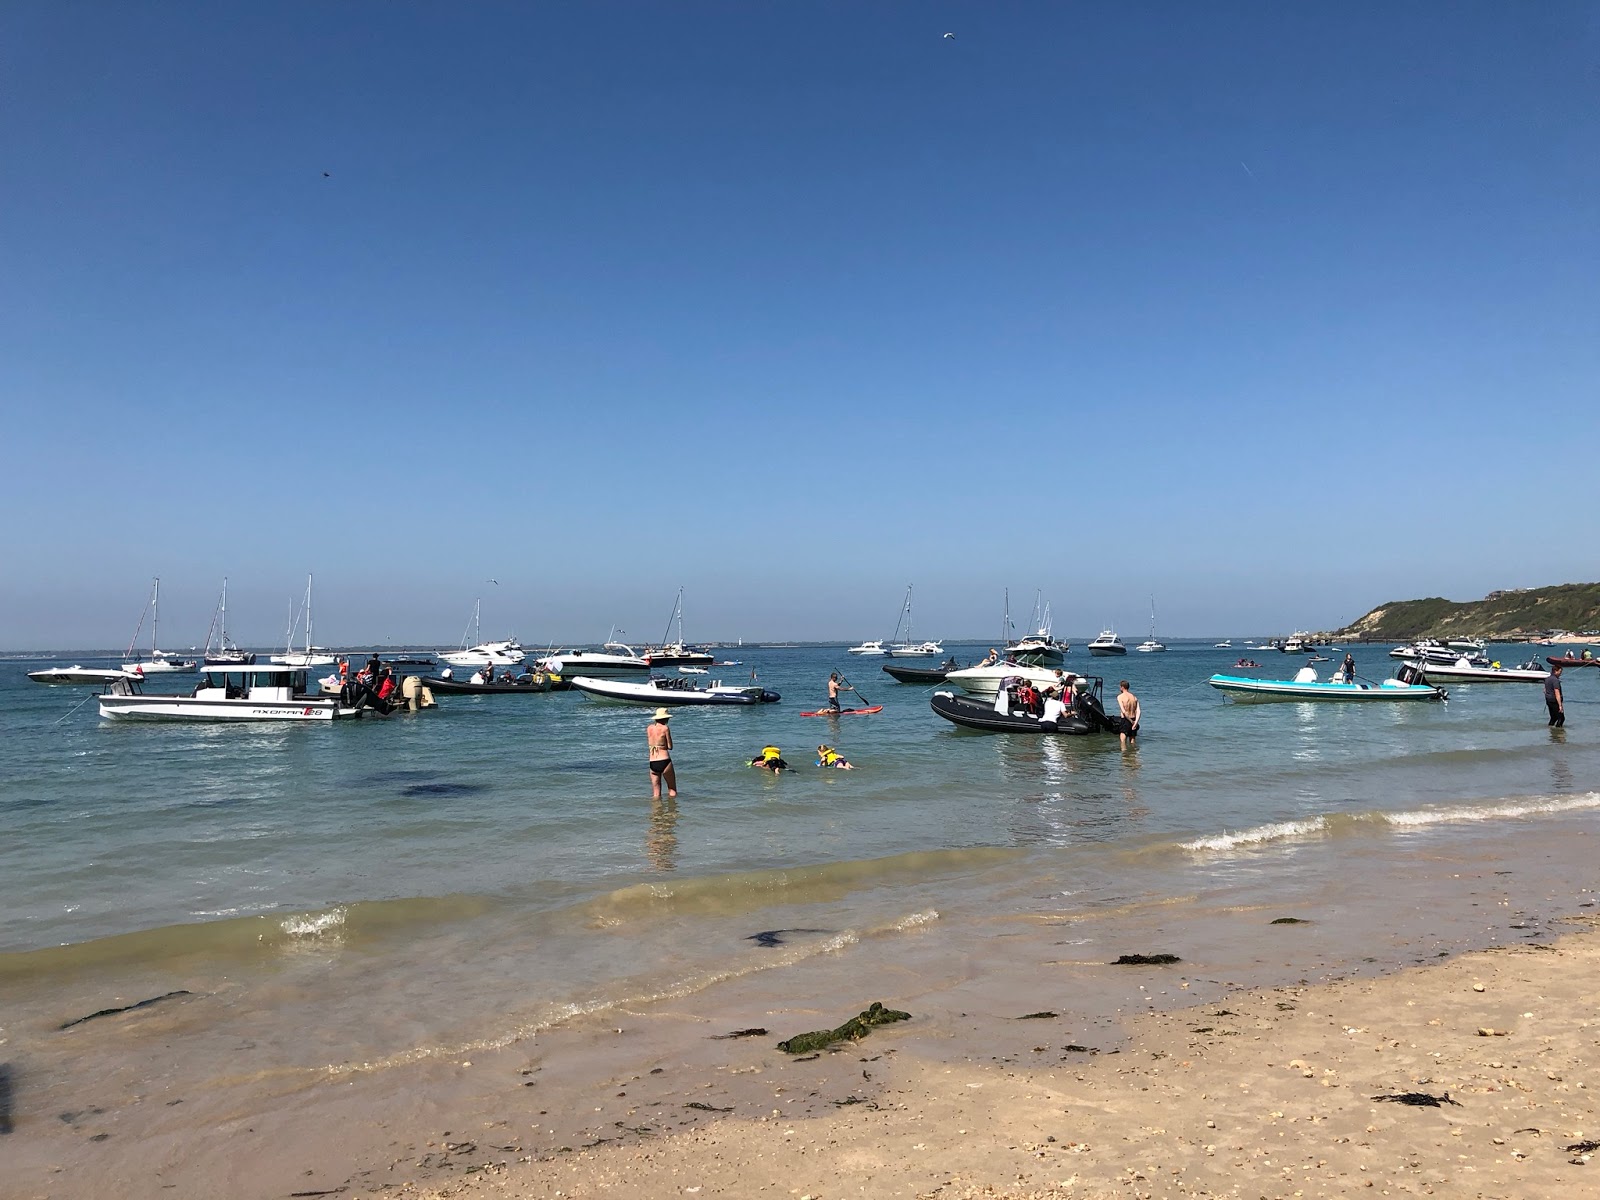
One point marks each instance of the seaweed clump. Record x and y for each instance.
(853, 1030)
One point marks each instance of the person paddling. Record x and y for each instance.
(835, 686)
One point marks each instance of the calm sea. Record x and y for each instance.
(330, 889)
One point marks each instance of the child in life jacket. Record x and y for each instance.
(827, 756)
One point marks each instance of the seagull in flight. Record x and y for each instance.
(496, 582)
(950, 36)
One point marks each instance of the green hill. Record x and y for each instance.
(1500, 616)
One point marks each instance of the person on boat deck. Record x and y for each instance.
(827, 756)
(992, 658)
(344, 670)
(770, 759)
(835, 686)
(386, 688)
(1349, 668)
(1028, 698)
(1129, 704)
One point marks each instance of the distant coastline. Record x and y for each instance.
(1566, 613)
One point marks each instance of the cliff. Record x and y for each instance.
(1500, 616)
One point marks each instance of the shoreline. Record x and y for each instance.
(1269, 1092)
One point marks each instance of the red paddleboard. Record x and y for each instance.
(842, 712)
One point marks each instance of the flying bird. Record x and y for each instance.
(950, 36)
(496, 582)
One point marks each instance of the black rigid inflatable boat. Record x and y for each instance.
(1086, 714)
(922, 675)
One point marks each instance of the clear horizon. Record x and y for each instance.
(1268, 314)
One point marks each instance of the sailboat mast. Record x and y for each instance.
(224, 613)
(308, 614)
(155, 617)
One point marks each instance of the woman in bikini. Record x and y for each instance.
(659, 738)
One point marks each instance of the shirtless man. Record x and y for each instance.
(834, 688)
(659, 739)
(1129, 704)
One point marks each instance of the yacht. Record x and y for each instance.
(309, 656)
(1039, 648)
(227, 693)
(1429, 651)
(223, 651)
(907, 648)
(1150, 645)
(475, 652)
(614, 660)
(677, 654)
(159, 662)
(874, 647)
(1224, 644)
(1107, 645)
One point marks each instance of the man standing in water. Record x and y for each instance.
(1129, 704)
(1552, 697)
(658, 737)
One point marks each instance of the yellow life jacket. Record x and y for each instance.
(768, 753)
(829, 757)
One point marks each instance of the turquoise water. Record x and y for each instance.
(335, 884)
(543, 801)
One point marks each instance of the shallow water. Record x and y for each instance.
(366, 895)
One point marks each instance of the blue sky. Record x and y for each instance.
(1271, 312)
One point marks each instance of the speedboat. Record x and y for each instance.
(985, 678)
(1407, 685)
(923, 675)
(75, 675)
(1150, 646)
(1106, 645)
(1225, 644)
(1463, 670)
(1038, 649)
(479, 653)
(616, 661)
(1082, 713)
(672, 692)
(874, 647)
(251, 693)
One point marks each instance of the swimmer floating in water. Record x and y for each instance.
(770, 759)
(827, 756)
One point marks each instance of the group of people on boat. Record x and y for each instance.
(372, 686)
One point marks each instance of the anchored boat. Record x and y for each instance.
(1078, 711)
(678, 692)
(257, 692)
(1306, 686)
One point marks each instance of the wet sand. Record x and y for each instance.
(1271, 1092)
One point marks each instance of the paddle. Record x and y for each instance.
(856, 690)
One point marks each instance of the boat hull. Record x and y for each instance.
(79, 676)
(1107, 651)
(1436, 673)
(1257, 691)
(922, 675)
(462, 687)
(1570, 661)
(596, 666)
(184, 708)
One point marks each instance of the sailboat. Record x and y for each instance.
(1039, 648)
(909, 649)
(677, 654)
(311, 656)
(159, 662)
(226, 652)
(1150, 645)
(475, 652)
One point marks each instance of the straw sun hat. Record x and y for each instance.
(663, 715)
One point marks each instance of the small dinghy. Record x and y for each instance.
(680, 692)
(1081, 714)
(1407, 685)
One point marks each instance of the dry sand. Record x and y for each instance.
(1261, 1094)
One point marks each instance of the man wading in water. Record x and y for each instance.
(659, 738)
(1129, 704)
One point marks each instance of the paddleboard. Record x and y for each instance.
(843, 712)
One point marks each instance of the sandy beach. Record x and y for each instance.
(1273, 1092)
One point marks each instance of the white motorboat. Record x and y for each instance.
(1299, 642)
(1225, 644)
(1436, 653)
(869, 648)
(673, 693)
(1464, 670)
(1150, 645)
(616, 661)
(1107, 645)
(223, 652)
(227, 693)
(77, 676)
(985, 678)
(309, 655)
(159, 662)
(1040, 647)
(475, 652)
